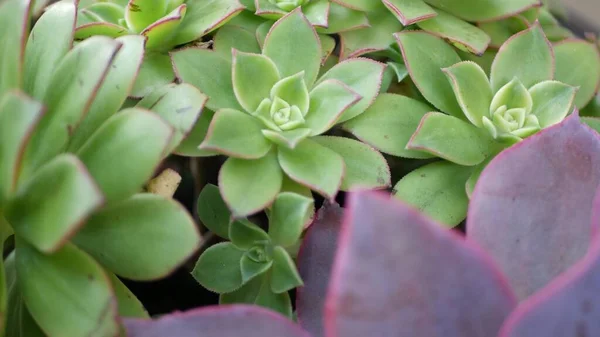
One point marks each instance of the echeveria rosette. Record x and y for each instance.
(271, 113)
(71, 173)
(255, 267)
(165, 23)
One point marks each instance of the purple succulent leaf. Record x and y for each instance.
(315, 260)
(568, 307)
(532, 205)
(398, 273)
(216, 321)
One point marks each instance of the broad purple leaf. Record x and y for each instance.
(398, 273)
(532, 205)
(567, 307)
(221, 321)
(315, 260)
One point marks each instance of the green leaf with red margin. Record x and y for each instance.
(155, 72)
(342, 19)
(552, 101)
(371, 38)
(483, 10)
(232, 37)
(14, 27)
(578, 64)
(317, 12)
(362, 5)
(409, 12)
(329, 100)
(189, 145)
(99, 28)
(472, 90)
(161, 30)
(140, 14)
(253, 76)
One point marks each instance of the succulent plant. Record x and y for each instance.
(272, 109)
(71, 173)
(165, 23)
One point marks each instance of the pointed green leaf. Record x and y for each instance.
(389, 123)
(362, 5)
(452, 139)
(578, 64)
(140, 14)
(472, 89)
(14, 27)
(72, 88)
(160, 31)
(294, 46)
(54, 203)
(204, 16)
(317, 12)
(288, 215)
(231, 37)
(155, 72)
(114, 89)
(245, 234)
(246, 19)
(343, 19)
(552, 101)
(123, 154)
(253, 77)
(258, 292)
(437, 190)
(248, 186)
(328, 45)
(425, 68)
(365, 167)
(527, 56)
(129, 305)
(483, 10)
(474, 177)
(49, 41)
(262, 31)
(213, 211)
(218, 268)
(72, 281)
(293, 90)
(179, 105)
(145, 237)
(314, 166)
(371, 38)
(269, 10)
(189, 145)
(18, 117)
(285, 276)
(251, 269)
(410, 11)
(210, 72)
(236, 134)
(328, 101)
(289, 139)
(99, 28)
(107, 11)
(363, 76)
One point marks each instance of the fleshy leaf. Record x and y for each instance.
(521, 211)
(289, 139)
(437, 190)
(160, 31)
(363, 76)
(129, 305)
(452, 139)
(71, 280)
(133, 142)
(512, 95)
(145, 237)
(248, 186)
(292, 89)
(258, 292)
(287, 218)
(365, 167)
(343, 19)
(472, 89)
(253, 77)
(140, 14)
(362, 5)
(213, 211)
(189, 145)
(156, 71)
(53, 204)
(328, 101)
(99, 28)
(294, 46)
(317, 12)
(484, 10)
(425, 68)
(370, 38)
(314, 166)
(14, 23)
(251, 269)
(410, 11)
(578, 64)
(552, 101)
(527, 56)
(389, 123)
(218, 268)
(284, 276)
(438, 279)
(249, 321)
(245, 235)
(231, 37)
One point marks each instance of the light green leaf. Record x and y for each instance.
(129, 305)
(292, 89)
(179, 105)
(289, 213)
(14, 23)
(253, 77)
(477, 170)
(512, 95)
(18, 117)
(114, 89)
(99, 28)
(317, 12)
(210, 72)
(410, 11)
(72, 88)
(236, 134)
(285, 276)
(106, 11)
(231, 37)
(452, 139)
(246, 19)
(363, 76)
(49, 41)
(343, 19)
(389, 123)
(361, 5)
(314, 166)
(425, 68)
(327, 47)
(258, 292)
(262, 31)
(156, 71)
(245, 235)
(483, 10)
(145, 237)
(248, 186)
(472, 89)
(365, 167)
(72, 281)
(437, 190)
(289, 139)
(294, 46)
(592, 122)
(552, 101)
(160, 31)
(370, 38)
(328, 101)
(485, 61)
(54, 203)
(527, 56)
(268, 10)
(123, 154)
(578, 64)
(218, 268)
(251, 269)
(189, 145)
(213, 211)
(140, 14)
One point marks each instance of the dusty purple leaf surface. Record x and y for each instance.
(399, 274)
(532, 205)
